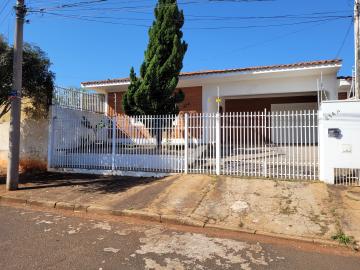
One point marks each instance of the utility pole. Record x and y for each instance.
(15, 114)
(357, 48)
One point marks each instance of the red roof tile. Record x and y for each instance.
(220, 71)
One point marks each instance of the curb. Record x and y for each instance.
(47, 204)
(166, 219)
(12, 200)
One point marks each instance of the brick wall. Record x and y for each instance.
(192, 102)
(193, 99)
(112, 105)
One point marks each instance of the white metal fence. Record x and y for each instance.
(258, 144)
(270, 144)
(347, 176)
(79, 100)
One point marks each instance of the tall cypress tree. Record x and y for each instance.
(153, 93)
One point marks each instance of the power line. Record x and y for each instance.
(225, 18)
(267, 26)
(64, 7)
(4, 7)
(6, 16)
(91, 20)
(206, 18)
(104, 7)
(111, 21)
(87, 7)
(278, 37)
(345, 38)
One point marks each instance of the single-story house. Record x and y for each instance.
(274, 88)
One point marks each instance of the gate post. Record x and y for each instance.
(218, 141)
(186, 146)
(264, 132)
(113, 146)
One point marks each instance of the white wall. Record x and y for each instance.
(67, 127)
(342, 152)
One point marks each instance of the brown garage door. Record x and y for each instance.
(260, 104)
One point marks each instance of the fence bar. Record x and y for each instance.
(218, 143)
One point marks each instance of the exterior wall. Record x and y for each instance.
(115, 103)
(4, 144)
(267, 86)
(260, 104)
(193, 99)
(33, 144)
(342, 151)
(192, 102)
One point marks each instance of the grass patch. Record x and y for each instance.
(344, 239)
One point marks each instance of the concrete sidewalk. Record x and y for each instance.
(301, 210)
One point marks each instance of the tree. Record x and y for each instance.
(38, 80)
(153, 93)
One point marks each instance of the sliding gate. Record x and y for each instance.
(270, 144)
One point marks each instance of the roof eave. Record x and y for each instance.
(335, 66)
(97, 85)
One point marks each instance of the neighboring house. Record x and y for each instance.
(274, 88)
(345, 85)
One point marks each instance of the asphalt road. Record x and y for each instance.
(39, 239)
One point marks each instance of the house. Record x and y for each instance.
(268, 128)
(274, 88)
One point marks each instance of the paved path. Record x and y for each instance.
(38, 239)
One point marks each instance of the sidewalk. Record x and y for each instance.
(300, 210)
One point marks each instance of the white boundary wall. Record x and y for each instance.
(339, 133)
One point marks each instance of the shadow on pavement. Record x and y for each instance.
(84, 182)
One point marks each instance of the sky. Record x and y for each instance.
(104, 39)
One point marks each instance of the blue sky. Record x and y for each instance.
(87, 50)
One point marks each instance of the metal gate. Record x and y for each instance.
(270, 144)
(253, 144)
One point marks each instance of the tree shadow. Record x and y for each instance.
(83, 182)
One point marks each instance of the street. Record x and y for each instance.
(38, 239)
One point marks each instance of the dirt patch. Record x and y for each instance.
(26, 165)
(346, 207)
(183, 196)
(283, 207)
(30, 165)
